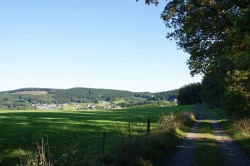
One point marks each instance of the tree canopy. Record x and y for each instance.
(216, 34)
(189, 94)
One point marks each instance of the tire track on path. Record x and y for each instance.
(233, 154)
(186, 151)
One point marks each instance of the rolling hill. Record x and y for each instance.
(25, 97)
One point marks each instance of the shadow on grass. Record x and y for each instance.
(208, 153)
(19, 129)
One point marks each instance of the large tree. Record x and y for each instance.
(216, 34)
(189, 94)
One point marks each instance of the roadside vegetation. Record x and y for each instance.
(238, 126)
(155, 149)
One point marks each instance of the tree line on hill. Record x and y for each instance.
(21, 99)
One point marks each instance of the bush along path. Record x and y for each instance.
(206, 143)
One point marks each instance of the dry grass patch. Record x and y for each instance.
(243, 125)
(176, 120)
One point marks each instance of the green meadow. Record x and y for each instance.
(21, 128)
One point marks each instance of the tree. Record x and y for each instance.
(213, 88)
(190, 94)
(216, 34)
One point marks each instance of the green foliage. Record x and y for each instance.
(14, 102)
(151, 1)
(24, 98)
(216, 34)
(212, 88)
(236, 96)
(202, 28)
(168, 95)
(190, 94)
(89, 95)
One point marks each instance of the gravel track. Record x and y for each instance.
(233, 154)
(186, 151)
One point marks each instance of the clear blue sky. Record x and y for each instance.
(114, 44)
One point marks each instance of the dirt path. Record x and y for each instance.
(186, 151)
(233, 155)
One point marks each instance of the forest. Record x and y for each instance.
(25, 97)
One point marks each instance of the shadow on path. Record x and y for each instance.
(233, 155)
(185, 152)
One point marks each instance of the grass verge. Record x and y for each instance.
(237, 127)
(208, 152)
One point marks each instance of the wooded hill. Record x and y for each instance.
(25, 97)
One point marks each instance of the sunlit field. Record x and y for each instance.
(20, 129)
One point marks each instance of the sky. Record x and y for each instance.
(111, 44)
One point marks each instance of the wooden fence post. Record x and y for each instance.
(103, 144)
(148, 126)
(129, 133)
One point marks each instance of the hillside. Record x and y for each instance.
(25, 97)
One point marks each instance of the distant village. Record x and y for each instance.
(91, 106)
(45, 106)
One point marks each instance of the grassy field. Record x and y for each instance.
(19, 129)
